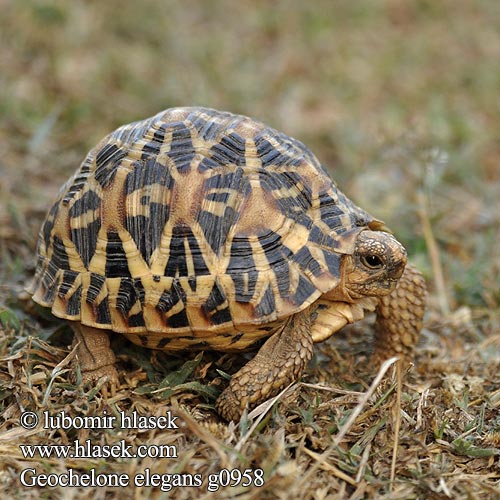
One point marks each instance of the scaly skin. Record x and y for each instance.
(400, 317)
(279, 362)
(95, 355)
(285, 355)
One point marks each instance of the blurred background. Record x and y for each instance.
(399, 99)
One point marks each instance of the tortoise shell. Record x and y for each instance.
(194, 228)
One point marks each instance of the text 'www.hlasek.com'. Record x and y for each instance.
(86, 449)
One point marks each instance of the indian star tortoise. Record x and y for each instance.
(201, 229)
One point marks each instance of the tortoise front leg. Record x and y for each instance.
(94, 354)
(400, 317)
(279, 362)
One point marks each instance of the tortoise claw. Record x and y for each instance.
(107, 376)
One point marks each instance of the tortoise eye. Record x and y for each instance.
(372, 261)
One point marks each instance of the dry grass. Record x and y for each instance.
(400, 100)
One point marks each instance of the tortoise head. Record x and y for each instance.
(374, 268)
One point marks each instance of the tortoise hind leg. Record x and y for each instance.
(279, 362)
(94, 354)
(400, 317)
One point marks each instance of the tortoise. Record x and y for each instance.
(202, 229)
